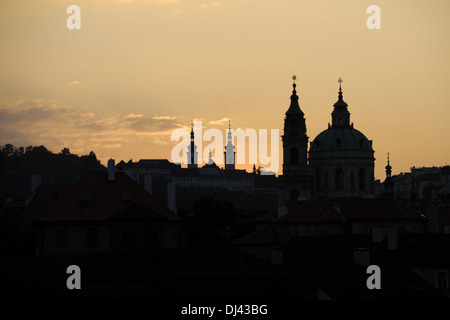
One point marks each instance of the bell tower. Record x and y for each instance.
(296, 182)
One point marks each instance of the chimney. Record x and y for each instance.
(111, 170)
(361, 256)
(36, 181)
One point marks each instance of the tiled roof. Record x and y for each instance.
(314, 211)
(261, 236)
(273, 214)
(429, 177)
(44, 198)
(340, 210)
(94, 198)
(366, 209)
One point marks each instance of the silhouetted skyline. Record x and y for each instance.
(137, 70)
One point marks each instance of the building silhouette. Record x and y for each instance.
(296, 181)
(341, 158)
(229, 154)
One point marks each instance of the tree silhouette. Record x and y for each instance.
(18, 165)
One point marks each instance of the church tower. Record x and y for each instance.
(296, 182)
(230, 154)
(341, 158)
(388, 183)
(192, 151)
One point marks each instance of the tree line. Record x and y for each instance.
(19, 164)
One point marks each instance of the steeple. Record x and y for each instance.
(296, 180)
(192, 150)
(210, 160)
(340, 116)
(294, 108)
(388, 168)
(229, 150)
(388, 183)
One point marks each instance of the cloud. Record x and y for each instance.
(211, 5)
(133, 116)
(73, 83)
(163, 118)
(220, 122)
(55, 125)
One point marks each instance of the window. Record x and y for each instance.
(352, 180)
(86, 204)
(317, 179)
(61, 237)
(294, 156)
(441, 279)
(339, 179)
(362, 178)
(311, 230)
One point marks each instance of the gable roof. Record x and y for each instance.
(341, 210)
(42, 199)
(261, 236)
(314, 211)
(104, 199)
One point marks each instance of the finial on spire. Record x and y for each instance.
(340, 88)
(210, 161)
(388, 167)
(294, 85)
(229, 124)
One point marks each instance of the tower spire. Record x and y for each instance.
(340, 88)
(192, 149)
(229, 150)
(294, 108)
(340, 116)
(388, 168)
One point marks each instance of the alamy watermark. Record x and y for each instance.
(257, 152)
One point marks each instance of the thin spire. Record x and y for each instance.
(210, 161)
(340, 88)
(294, 107)
(388, 168)
(294, 85)
(230, 136)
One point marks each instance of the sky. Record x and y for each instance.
(137, 70)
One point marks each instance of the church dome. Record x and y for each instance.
(341, 138)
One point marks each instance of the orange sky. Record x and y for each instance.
(138, 69)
